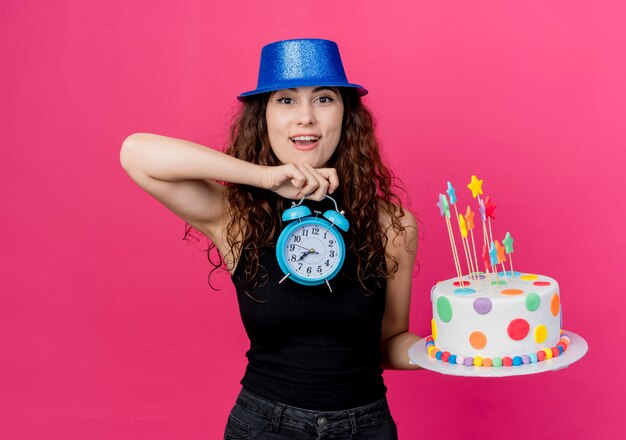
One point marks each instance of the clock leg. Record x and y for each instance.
(328, 284)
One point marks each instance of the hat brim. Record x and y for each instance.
(362, 91)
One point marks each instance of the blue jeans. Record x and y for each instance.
(254, 417)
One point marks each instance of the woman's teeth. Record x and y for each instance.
(304, 140)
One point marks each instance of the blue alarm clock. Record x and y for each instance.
(311, 249)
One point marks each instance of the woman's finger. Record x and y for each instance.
(330, 174)
(297, 177)
(322, 183)
(311, 183)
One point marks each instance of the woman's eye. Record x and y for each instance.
(285, 100)
(325, 99)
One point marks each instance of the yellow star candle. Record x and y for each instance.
(476, 186)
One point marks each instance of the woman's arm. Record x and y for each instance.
(183, 176)
(396, 339)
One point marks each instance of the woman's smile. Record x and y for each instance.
(305, 142)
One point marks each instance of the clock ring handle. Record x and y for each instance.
(294, 204)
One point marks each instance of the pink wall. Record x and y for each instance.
(108, 327)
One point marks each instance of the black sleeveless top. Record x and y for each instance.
(311, 348)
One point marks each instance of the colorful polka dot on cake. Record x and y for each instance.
(482, 305)
(464, 291)
(541, 333)
(478, 340)
(518, 329)
(512, 292)
(541, 283)
(444, 309)
(555, 304)
(532, 301)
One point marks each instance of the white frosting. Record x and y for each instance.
(454, 336)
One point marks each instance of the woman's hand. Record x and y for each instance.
(295, 181)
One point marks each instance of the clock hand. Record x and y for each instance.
(309, 251)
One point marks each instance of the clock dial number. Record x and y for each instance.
(312, 251)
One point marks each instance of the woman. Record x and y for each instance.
(316, 356)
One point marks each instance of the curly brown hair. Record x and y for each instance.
(366, 190)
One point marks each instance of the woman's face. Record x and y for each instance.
(304, 124)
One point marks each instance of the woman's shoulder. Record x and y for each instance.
(395, 216)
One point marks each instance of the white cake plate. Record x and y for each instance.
(576, 350)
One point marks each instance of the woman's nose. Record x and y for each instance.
(306, 115)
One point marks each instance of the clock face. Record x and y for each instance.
(311, 250)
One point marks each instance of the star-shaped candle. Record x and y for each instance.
(440, 204)
(476, 186)
(500, 252)
(508, 246)
(451, 193)
(463, 226)
(444, 207)
(483, 211)
(486, 256)
(493, 254)
(508, 243)
(490, 207)
(469, 218)
(444, 210)
(486, 261)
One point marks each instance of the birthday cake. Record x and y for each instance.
(496, 317)
(516, 322)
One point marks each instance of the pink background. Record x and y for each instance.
(108, 328)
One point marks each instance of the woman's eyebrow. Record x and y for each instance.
(317, 89)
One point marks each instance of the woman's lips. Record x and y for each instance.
(305, 145)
